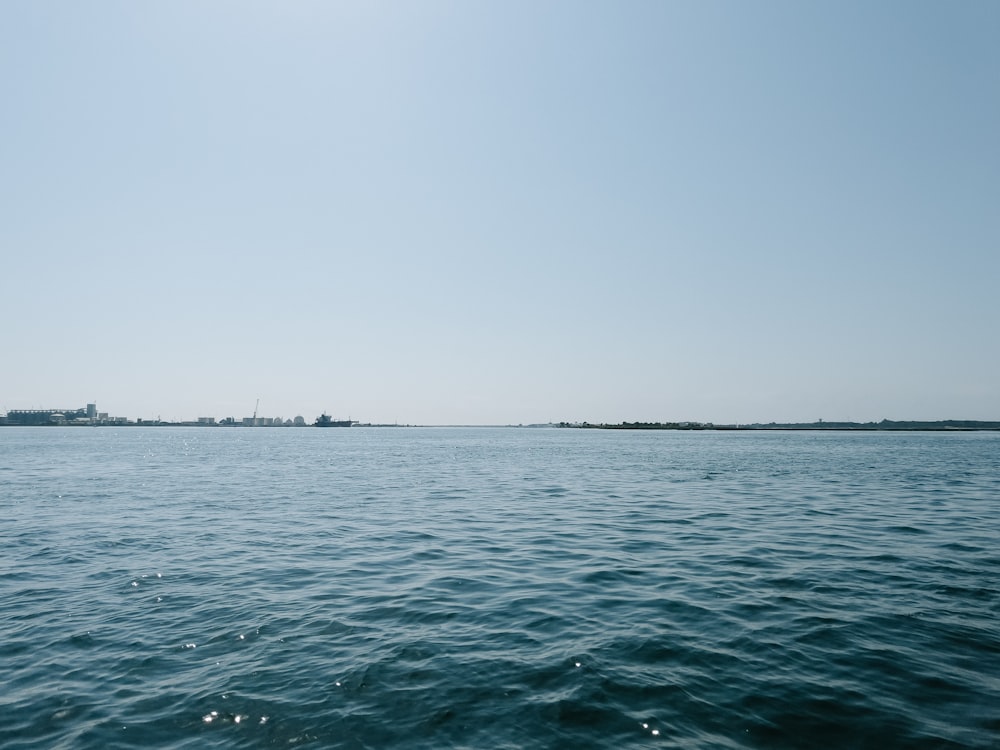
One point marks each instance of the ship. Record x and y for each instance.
(324, 420)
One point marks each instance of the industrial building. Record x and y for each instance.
(87, 415)
(40, 417)
(90, 416)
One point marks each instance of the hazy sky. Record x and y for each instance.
(501, 212)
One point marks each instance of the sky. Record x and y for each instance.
(438, 212)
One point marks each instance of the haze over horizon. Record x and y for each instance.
(502, 213)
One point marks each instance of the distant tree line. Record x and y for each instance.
(884, 425)
(643, 426)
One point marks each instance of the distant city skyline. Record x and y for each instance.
(502, 212)
(89, 415)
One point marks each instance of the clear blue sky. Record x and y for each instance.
(501, 212)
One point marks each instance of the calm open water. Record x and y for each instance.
(498, 588)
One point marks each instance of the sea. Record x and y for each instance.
(172, 587)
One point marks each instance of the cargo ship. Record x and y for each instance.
(324, 420)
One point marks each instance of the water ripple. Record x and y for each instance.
(498, 588)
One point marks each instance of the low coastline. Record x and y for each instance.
(883, 426)
(948, 425)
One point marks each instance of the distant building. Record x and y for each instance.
(34, 417)
(206, 420)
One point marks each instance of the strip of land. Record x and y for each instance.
(886, 425)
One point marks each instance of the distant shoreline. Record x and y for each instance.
(883, 426)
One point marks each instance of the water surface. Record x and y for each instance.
(498, 588)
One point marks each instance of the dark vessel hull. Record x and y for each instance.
(324, 421)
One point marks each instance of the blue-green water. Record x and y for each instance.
(498, 588)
